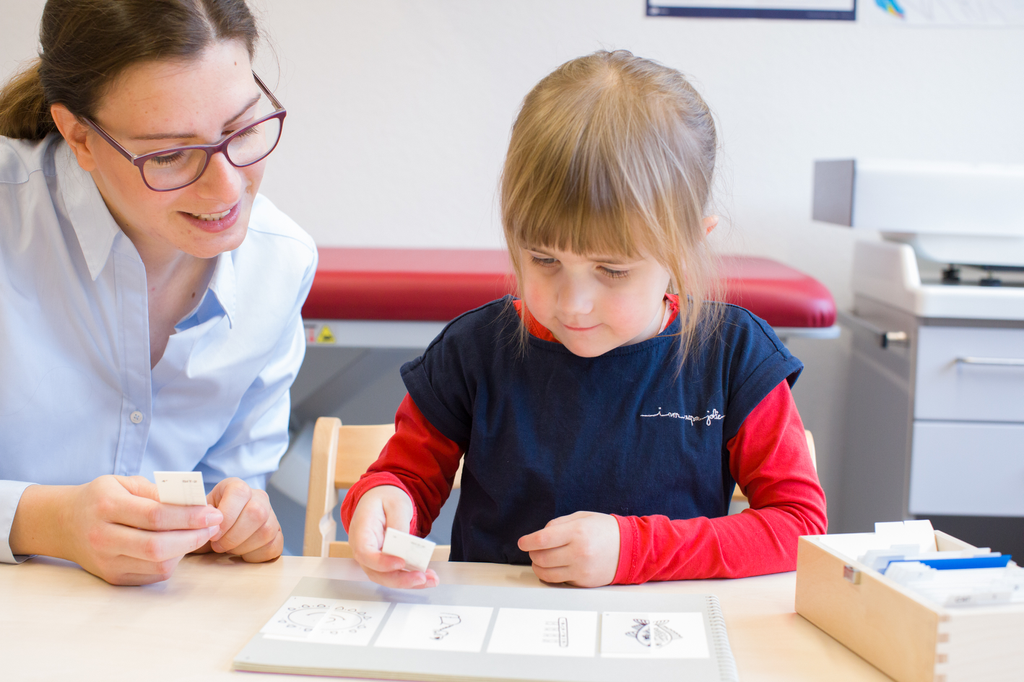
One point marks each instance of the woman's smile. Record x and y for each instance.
(214, 222)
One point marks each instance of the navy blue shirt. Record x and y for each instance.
(547, 433)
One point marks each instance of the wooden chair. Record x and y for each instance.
(740, 501)
(340, 456)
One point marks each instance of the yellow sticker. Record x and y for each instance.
(325, 335)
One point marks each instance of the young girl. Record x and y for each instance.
(604, 422)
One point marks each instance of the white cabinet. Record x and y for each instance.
(967, 469)
(970, 374)
(935, 424)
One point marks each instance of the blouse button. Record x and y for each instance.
(136, 417)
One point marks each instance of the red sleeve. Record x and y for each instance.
(419, 460)
(770, 461)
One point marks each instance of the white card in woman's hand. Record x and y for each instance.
(180, 487)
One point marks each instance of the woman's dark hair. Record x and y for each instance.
(86, 44)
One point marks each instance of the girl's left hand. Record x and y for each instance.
(250, 528)
(581, 549)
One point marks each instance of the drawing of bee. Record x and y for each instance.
(653, 635)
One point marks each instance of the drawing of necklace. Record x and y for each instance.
(447, 620)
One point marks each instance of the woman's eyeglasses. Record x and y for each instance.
(171, 169)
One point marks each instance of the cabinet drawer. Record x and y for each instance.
(967, 469)
(970, 373)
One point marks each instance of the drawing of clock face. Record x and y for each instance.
(304, 617)
(345, 620)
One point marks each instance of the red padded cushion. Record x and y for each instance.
(777, 293)
(439, 284)
(405, 284)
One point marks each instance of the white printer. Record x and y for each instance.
(935, 409)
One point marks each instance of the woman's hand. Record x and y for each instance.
(113, 527)
(378, 509)
(581, 549)
(250, 528)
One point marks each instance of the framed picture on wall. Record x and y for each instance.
(834, 10)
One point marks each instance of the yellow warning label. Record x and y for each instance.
(325, 335)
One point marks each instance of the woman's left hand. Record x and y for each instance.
(581, 549)
(250, 528)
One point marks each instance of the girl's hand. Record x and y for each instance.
(581, 549)
(380, 508)
(250, 528)
(113, 527)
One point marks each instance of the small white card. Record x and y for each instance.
(180, 487)
(416, 551)
(653, 635)
(435, 627)
(327, 621)
(544, 633)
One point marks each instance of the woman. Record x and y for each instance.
(149, 297)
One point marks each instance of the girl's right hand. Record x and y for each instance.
(379, 508)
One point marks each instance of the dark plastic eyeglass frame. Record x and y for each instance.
(210, 149)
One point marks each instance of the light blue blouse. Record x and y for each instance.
(78, 398)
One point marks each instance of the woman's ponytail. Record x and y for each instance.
(24, 112)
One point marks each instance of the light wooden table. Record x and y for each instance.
(58, 622)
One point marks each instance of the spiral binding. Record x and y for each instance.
(720, 641)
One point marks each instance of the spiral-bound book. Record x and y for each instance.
(461, 632)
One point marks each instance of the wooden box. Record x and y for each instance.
(906, 636)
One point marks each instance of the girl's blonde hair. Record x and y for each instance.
(615, 154)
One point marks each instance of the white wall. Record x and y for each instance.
(399, 112)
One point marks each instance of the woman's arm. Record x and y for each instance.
(771, 463)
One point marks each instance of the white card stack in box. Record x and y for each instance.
(906, 635)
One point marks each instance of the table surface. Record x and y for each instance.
(59, 622)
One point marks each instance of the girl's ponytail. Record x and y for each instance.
(24, 112)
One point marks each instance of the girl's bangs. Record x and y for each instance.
(587, 218)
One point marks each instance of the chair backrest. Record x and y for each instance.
(740, 501)
(341, 454)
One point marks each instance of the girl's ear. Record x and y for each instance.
(709, 223)
(76, 134)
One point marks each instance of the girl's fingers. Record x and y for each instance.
(560, 574)
(552, 558)
(406, 580)
(549, 537)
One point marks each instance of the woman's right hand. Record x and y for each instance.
(114, 527)
(380, 508)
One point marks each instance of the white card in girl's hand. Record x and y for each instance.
(416, 551)
(180, 487)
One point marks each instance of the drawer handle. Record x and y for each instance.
(992, 362)
(886, 339)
